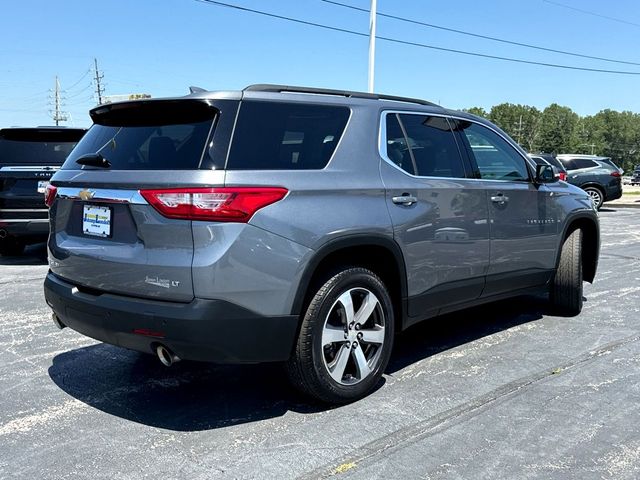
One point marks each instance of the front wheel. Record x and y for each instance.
(566, 287)
(346, 338)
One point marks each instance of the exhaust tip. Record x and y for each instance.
(3, 233)
(166, 356)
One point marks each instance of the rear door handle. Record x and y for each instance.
(404, 200)
(500, 198)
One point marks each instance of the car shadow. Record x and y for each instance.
(188, 396)
(445, 332)
(192, 396)
(35, 254)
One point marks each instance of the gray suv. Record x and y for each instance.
(304, 226)
(598, 176)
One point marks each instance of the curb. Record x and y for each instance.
(620, 205)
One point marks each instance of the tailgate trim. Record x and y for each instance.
(102, 195)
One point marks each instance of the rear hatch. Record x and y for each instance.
(105, 235)
(28, 159)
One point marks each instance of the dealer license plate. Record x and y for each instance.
(96, 220)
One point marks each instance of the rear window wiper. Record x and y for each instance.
(94, 160)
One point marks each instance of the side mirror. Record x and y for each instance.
(546, 174)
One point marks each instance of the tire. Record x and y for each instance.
(341, 352)
(596, 195)
(11, 246)
(566, 287)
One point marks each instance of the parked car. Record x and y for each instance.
(635, 178)
(304, 226)
(549, 159)
(600, 179)
(28, 158)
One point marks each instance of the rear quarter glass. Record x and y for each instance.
(286, 136)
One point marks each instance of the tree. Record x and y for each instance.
(478, 111)
(521, 122)
(557, 129)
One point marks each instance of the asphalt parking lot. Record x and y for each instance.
(501, 391)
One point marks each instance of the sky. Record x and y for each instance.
(161, 47)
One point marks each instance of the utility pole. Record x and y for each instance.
(58, 116)
(99, 86)
(372, 42)
(520, 129)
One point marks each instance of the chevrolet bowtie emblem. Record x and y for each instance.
(86, 194)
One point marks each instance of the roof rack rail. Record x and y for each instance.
(327, 91)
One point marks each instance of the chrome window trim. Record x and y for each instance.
(103, 195)
(382, 150)
(25, 210)
(25, 220)
(24, 168)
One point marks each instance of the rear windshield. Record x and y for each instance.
(158, 135)
(175, 147)
(37, 148)
(285, 136)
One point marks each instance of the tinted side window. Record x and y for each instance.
(583, 163)
(496, 159)
(433, 146)
(397, 150)
(568, 164)
(285, 136)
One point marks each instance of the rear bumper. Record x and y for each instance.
(30, 228)
(204, 330)
(613, 193)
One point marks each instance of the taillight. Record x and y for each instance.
(615, 173)
(562, 176)
(229, 204)
(50, 195)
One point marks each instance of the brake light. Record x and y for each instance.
(229, 204)
(615, 173)
(562, 176)
(50, 195)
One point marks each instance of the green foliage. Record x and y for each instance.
(478, 111)
(558, 129)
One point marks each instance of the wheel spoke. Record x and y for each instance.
(332, 334)
(361, 362)
(369, 304)
(373, 335)
(336, 369)
(347, 303)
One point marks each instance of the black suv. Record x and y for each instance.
(635, 179)
(28, 158)
(597, 176)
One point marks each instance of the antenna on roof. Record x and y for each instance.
(193, 89)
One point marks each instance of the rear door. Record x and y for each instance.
(439, 215)
(523, 216)
(105, 236)
(28, 159)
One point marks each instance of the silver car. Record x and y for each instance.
(304, 226)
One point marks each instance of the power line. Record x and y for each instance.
(415, 44)
(79, 80)
(587, 12)
(485, 37)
